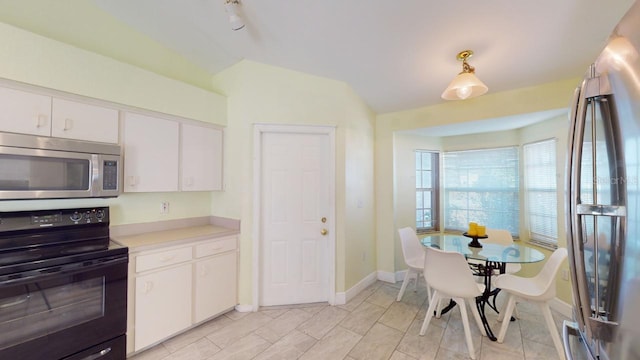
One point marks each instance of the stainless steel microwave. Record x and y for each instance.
(34, 167)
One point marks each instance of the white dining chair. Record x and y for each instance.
(502, 237)
(539, 289)
(449, 276)
(413, 253)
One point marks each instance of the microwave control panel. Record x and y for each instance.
(110, 175)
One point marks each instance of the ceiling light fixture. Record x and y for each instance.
(466, 85)
(231, 7)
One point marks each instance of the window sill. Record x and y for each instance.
(543, 244)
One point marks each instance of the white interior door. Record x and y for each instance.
(296, 228)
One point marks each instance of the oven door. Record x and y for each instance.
(56, 311)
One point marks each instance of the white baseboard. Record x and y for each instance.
(562, 307)
(400, 275)
(386, 276)
(357, 288)
(391, 277)
(244, 308)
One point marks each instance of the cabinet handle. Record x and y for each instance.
(148, 286)
(166, 258)
(41, 120)
(68, 124)
(133, 181)
(188, 181)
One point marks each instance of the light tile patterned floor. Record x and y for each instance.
(370, 326)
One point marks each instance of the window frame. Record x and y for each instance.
(434, 190)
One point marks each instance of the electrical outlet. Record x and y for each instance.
(164, 207)
(565, 274)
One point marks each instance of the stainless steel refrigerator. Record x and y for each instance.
(603, 202)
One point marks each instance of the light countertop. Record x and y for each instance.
(158, 239)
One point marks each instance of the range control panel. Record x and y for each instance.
(23, 220)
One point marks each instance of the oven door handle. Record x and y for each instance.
(84, 265)
(98, 355)
(30, 275)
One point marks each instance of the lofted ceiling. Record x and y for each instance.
(396, 55)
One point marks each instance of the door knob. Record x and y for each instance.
(324, 232)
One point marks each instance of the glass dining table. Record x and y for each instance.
(487, 261)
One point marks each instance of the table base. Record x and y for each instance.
(485, 271)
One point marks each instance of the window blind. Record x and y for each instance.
(540, 182)
(482, 186)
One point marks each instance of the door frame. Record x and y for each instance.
(258, 131)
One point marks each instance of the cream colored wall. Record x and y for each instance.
(404, 147)
(554, 128)
(82, 24)
(481, 141)
(259, 94)
(360, 247)
(36, 60)
(270, 95)
(528, 100)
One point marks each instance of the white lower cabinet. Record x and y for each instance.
(176, 287)
(163, 304)
(215, 286)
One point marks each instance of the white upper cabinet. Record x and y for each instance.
(74, 120)
(201, 158)
(35, 114)
(24, 112)
(151, 154)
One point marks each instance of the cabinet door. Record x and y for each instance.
(215, 285)
(73, 120)
(162, 305)
(201, 158)
(150, 154)
(24, 112)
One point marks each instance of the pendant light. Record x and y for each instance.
(466, 85)
(231, 7)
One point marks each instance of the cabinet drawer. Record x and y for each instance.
(165, 258)
(215, 247)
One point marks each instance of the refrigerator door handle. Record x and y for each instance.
(574, 219)
(601, 210)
